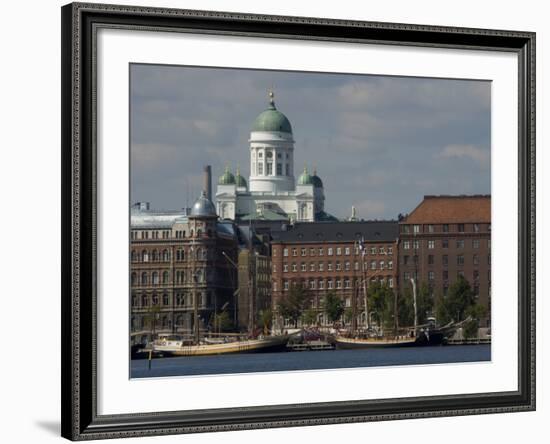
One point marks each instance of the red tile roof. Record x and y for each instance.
(451, 209)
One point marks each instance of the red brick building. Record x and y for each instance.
(444, 237)
(326, 257)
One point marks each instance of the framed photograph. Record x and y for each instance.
(278, 221)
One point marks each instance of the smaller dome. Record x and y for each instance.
(305, 178)
(239, 180)
(203, 207)
(317, 182)
(272, 120)
(226, 178)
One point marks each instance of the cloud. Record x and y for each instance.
(475, 153)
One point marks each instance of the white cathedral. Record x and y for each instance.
(272, 192)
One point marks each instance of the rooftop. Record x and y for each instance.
(377, 231)
(452, 209)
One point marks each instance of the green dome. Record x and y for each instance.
(272, 120)
(226, 178)
(239, 180)
(305, 178)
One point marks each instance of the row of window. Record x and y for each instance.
(444, 275)
(164, 256)
(431, 244)
(180, 300)
(155, 278)
(334, 284)
(460, 259)
(444, 228)
(165, 234)
(339, 266)
(338, 251)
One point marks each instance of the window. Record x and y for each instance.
(445, 259)
(312, 251)
(476, 228)
(445, 243)
(373, 250)
(329, 252)
(321, 284)
(461, 228)
(347, 283)
(431, 244)
(406, 229)
(285, 268)
(416, 244)
(321, 251)
(390, 282)
(430, 228)
(476, 275)
(460, 259)
(431, 275)
(475, 243)
(415, 259)
(406, 276)
(312, 266)
(312, 284)
(460, 243)
(321, 266)
(338, 266)
(329, 266)
(347, 266)
(303, 266)
(338, 251)
(445, 275)
(260, 168)
(373, 265)
(431, 259)
(134, 279)
(338, 283)
(294, 252)
(165, 277)
(165, 299)
(445, 228)
(330, 284)
(356, 266)
(381, 250)
(285, 252)
(390, 250)
(382, 265)
(347, 251)
(303, 251)
(294, 267)
(285, 285)
(279, 169)
(406, 245)
(416, 229)
(476, 259)
(405, 260)
(460, 274)
(144, 278)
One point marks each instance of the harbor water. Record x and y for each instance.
(307, 360)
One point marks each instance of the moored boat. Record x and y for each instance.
(175, 347)
(343, 342)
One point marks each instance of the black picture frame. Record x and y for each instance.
(79, 171)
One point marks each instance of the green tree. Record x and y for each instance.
(333, 307)
(221, 322)
(348, 314)
(309, 317)
(265, 318)
(292, 305)
(455, 305)
(380, 301)
(475, 312)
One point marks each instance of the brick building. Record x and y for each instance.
(178, 268)
(326, 257)
(444, 237)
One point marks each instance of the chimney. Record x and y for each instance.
(208, 182)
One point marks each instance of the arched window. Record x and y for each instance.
(133, 280)
(155, 299)
(144, 278)
(199, 233)
(155, 278)
(144, 301)
(204, 255)
(155, 256)
(164, 322)
(144, 256)
(182, 255)
(191, 233)
(134, 256)
(199, 253)
(179, 320)
(165, 256)
(134, 300)
(165, 277)
(165, 299)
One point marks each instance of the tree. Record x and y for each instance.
(475, 312)
(221, 321)
(309, 317)
(333, 307)
(454, 306)
(348, 314)
(380, 301)
(151, 318)
(265, 318)
(292, 305)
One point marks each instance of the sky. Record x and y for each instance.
(379, 143)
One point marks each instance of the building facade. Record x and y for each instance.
(271, 188)
(339, 257)
(179, 270)
(443, 238)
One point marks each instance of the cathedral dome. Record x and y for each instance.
(240, 180)
(272, 120)
(305, 178)
(226, 178)
(203, 207)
